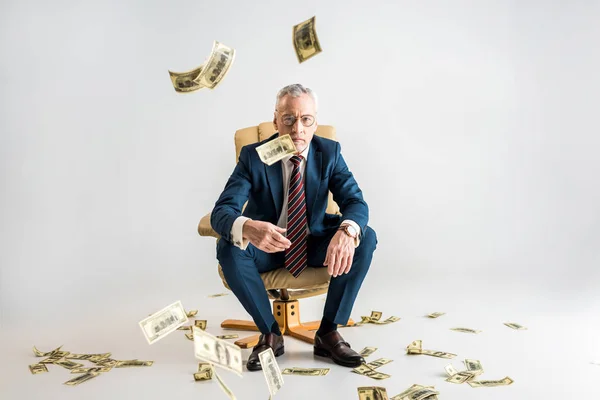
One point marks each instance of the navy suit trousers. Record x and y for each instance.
(242, 269)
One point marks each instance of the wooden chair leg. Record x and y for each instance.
(239, 324)
(294, 327)
(303, 334)
(312, 325)
(247, 342)
(287, 315)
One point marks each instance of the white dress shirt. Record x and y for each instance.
(287, 167)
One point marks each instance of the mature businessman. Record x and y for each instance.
(285, 225)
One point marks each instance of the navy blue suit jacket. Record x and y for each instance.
(262, 186)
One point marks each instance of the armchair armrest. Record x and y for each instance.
(205, 229)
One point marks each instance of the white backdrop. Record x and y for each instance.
(471, 127)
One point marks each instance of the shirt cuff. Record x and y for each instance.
(355, 226)
(237, 230)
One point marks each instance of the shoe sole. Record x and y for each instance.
(280, 351)
(326, 353)
(258, 367)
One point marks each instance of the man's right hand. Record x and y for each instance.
(265, 236)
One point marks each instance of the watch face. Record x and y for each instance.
(351, 230)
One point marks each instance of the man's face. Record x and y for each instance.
(297, 109)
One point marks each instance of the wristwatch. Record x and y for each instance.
(349, 230)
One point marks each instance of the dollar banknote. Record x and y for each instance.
(305, 371)
(190, 336)
(276, 149)
(200, 323)
(367, 351)
(362, 369)
(473, 365)
(375, 318)
(85, 370)
(205, 372)
(189, 328)
(219, 352)
(376, 375)
(81, 378)
(98, 357)
(68, 364)
(465, 330)
(38, 368)
(514, 325)
(421, 393)
(223, 386)
(73, 356)
(435, 314)
(364, 320)
(306, 42)
(163, 322)
(380, 362)
(450, 370)
(183, 82)
(461, 377)
(474, 369)
(46, 354)
(405, 395)
(271, 370)
(133, 363)
(191, 313)
(502, 382)
(107, 362)
(371, 366)
(218, 64)
(231, 336)
(371, 372)
(202, 376)
(54, 357)
(372, 393)
(416, 347)
(388, 320)
(439, 354)
(218, 295)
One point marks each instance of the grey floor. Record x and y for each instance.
(550, 360)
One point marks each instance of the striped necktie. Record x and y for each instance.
(295, 256)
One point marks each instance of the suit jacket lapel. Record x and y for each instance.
(312, 181)
(275, 178)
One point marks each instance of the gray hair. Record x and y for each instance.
(295, 90)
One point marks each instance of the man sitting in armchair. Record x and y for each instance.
(285, 226)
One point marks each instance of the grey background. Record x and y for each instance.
(471, 127)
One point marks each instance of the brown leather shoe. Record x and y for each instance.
(266, 340)
(332, 345)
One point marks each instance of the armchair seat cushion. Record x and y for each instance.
(311, 282)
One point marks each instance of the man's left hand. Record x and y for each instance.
(340, 254)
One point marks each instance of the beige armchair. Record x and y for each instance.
(281, 286)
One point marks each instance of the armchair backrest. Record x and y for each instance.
(264, 130)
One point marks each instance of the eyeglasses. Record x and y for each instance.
(306, 120)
